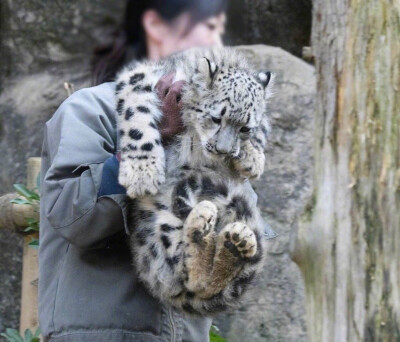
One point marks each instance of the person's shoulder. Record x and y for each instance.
(96, 100)
(102, 93)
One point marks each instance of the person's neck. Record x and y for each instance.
(154, 52)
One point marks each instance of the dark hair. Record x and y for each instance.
(129, 39)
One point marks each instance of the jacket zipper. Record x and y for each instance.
(171, 319)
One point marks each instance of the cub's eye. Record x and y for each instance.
(216, 120)
(245, 130)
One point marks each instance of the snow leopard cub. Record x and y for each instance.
(195, 226)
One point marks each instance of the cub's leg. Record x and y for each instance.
(199, 238)
(250, 161)
(236, 245)
(158, 250)
(142, 164)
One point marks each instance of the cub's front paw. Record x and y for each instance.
(141, 177)
(239, 239)
(250, 162)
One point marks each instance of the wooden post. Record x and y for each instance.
(29, 311)
(348, 242)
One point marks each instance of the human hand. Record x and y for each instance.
(169, 94)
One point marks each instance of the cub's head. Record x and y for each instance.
(226, 102)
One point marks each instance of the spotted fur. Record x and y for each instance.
(196, 229)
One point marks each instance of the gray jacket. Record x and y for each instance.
(88, 291)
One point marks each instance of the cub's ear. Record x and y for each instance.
(208, 69)
(264, 77)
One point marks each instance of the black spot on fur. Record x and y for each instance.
(146, 88)
(139, 158)
(207, 187)
(142, 235)
(135, 134)
(166, 241)
(153, 250)
(180, 189)
(145, 214)
(192, 183)
(132, 147)
(129, 113)
(190, 294)
(160, 206)
(121, 85)
(167, 228)
(223, 111)
(241, 283)
(173, 261)
(211, 189)
(180, 208)
(153, 125)
(136, 78)
(143, 109)
(258, 141)
(121, 132)
(120, 106)
(221, 189)
(147, 147)
(239, 205)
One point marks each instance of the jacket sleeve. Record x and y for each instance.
(78, 140)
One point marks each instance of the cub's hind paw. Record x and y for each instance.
(141, 177)
(239, 239)
(201, 220)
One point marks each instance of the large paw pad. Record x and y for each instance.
(240, 240)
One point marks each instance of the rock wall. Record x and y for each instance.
(41, 51)
(283, 23)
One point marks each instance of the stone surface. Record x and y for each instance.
(41, 51)
(10, 279)
(283, 23)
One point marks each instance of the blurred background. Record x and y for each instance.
(44, 44)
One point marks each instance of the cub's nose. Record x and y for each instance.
(225, 140)
(221, 151)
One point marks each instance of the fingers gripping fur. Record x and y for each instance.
(142, 167)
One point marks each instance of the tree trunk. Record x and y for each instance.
(348, 242)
